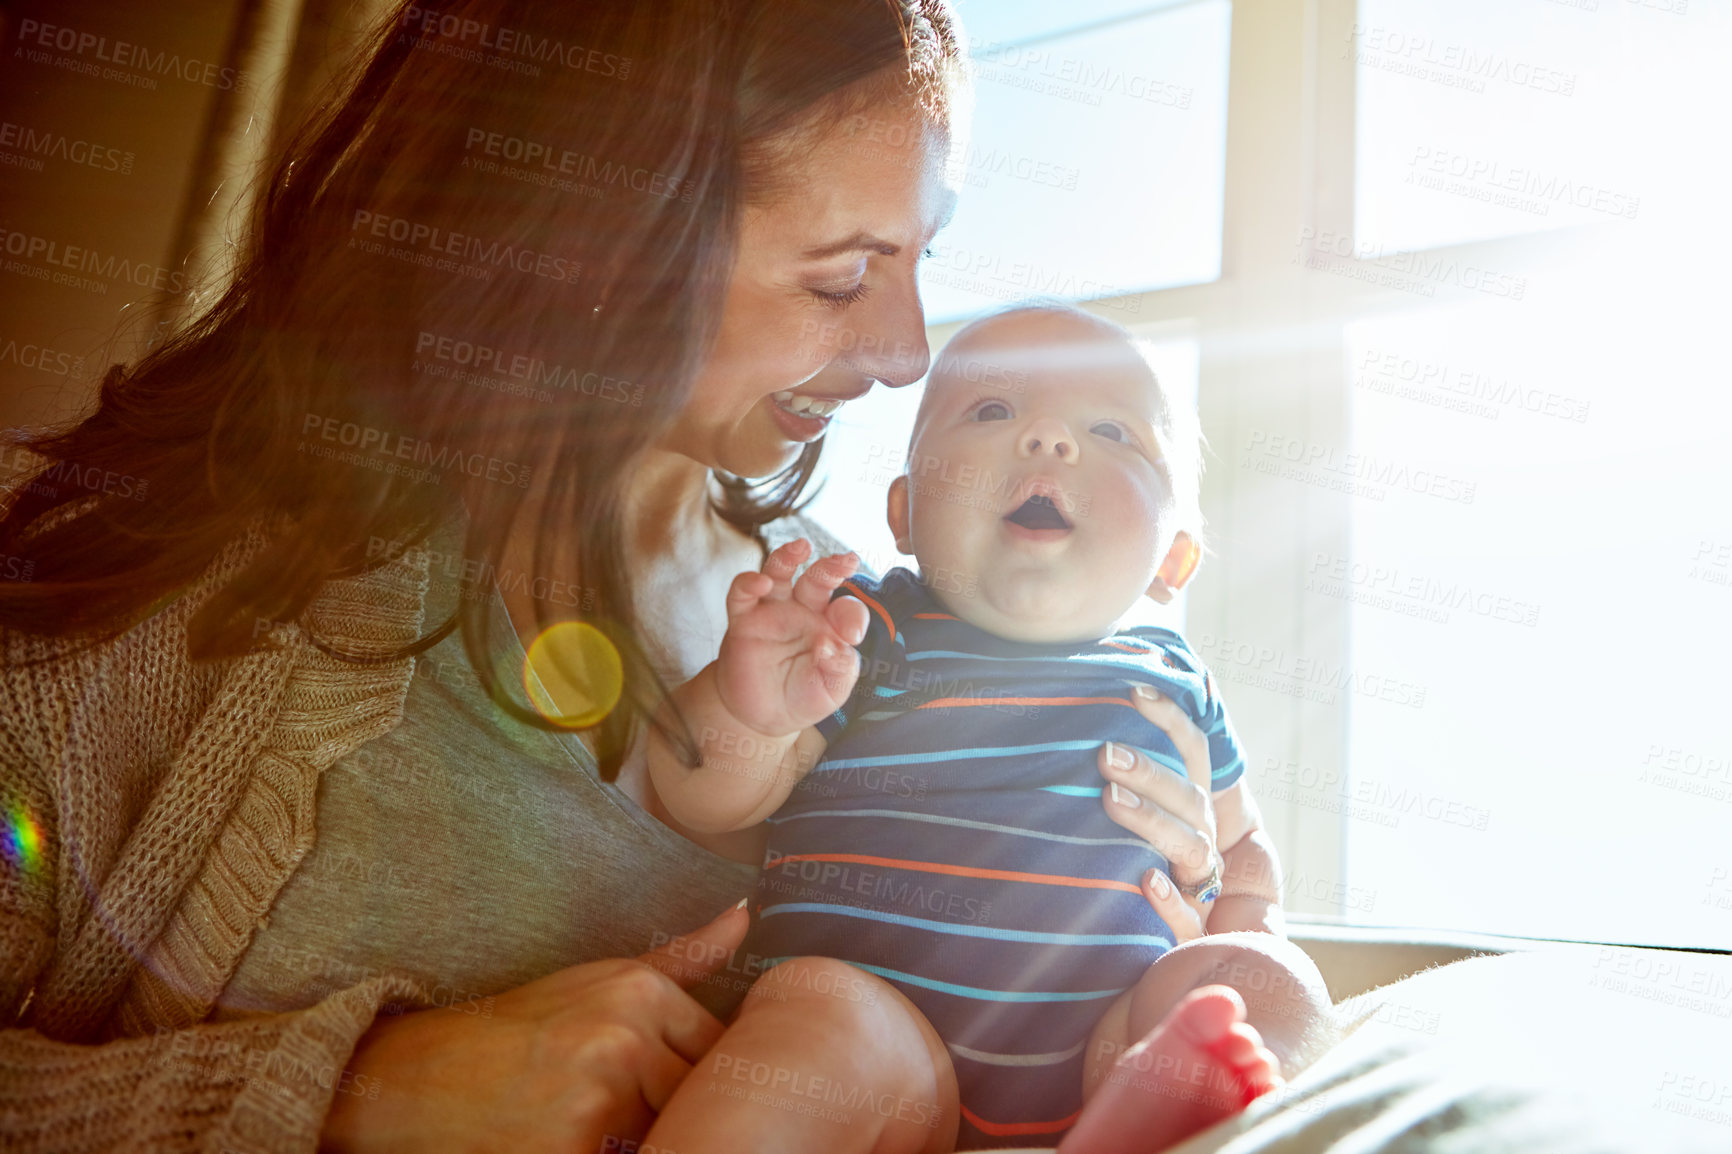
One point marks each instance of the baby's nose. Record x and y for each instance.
(1049, 436)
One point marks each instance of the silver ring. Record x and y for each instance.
(1209, 888)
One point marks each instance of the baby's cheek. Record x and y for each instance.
(950, 534)
(1114, 508)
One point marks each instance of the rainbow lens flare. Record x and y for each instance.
(573, 674)
(22, 840)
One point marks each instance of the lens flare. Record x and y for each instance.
(22, 841)
(573, 674)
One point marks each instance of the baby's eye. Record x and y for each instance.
(1111, 430)
(993, 411)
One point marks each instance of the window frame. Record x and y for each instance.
(1274, 358)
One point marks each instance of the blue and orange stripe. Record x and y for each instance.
(962, 871)
(1018, 1129)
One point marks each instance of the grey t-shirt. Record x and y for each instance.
(471, 854)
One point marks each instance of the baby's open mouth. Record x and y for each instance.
(1038, 512)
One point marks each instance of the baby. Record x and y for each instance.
(961, 943)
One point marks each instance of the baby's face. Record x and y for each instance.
(1036, 497)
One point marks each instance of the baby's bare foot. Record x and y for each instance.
(1203, 1063)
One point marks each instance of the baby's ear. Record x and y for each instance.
(1177, 569)
(896, 509)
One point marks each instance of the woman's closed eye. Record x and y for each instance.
(841, 299)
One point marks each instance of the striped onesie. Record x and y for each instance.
(952, 842)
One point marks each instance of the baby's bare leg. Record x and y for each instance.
(1211, 1025)
(822, 1057)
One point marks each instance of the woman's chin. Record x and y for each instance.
(753, 454)
(760, 462)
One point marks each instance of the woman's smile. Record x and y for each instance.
(807, 406)
(804, 417)
(801, 419)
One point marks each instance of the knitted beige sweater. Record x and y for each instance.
(153, 808)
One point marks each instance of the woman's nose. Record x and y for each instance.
(1045, 435)
(893, 346)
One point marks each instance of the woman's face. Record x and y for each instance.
(823, 300)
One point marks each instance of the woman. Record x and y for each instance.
(519, 311)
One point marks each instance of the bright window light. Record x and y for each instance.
(1565, 600)
(1481, 119)
(1096, 156)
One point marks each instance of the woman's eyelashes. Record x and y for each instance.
(842, 299)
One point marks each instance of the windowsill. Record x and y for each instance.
(1354, 959)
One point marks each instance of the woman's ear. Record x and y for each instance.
(898, 514)
(1177, 569)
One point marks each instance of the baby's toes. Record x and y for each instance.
(1241, 1045)
(1198, 1066)
(1209, 1016)
(1212, 1017)
(1242, 1051)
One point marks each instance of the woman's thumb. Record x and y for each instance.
(689, 957)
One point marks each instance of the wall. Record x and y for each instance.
(130, 138)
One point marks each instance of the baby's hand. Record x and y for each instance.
(788, 658)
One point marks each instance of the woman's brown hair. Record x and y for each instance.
(498, 261)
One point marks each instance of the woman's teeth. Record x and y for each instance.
(806, 406)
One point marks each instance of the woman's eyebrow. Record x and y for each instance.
(859, 242)
(866, 242)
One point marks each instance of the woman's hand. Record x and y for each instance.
(1175, 815)
(563, 1063)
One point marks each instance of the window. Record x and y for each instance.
(1457, 354)
(1570, 771)
(1094, 165)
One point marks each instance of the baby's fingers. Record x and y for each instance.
(781, 564)
(838, 665)
(849, 618)
(746, 591)
(821, 579)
